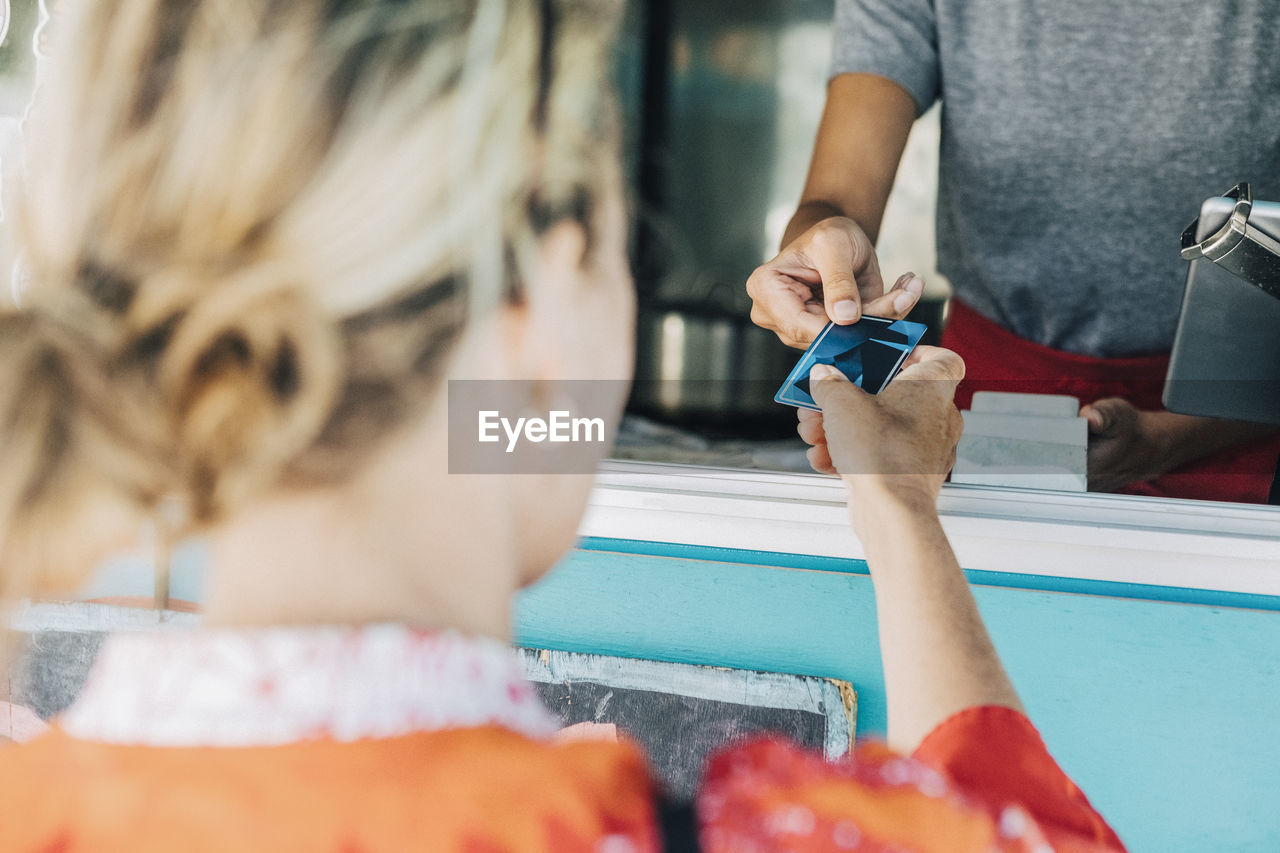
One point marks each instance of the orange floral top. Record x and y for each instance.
(319, 740)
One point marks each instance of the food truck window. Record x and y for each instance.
(721, 107)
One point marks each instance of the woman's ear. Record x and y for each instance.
(543, 328)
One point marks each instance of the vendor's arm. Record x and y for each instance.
(855, 156)
(827, 269)
(1129, 445)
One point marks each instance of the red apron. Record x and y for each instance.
(998, 360)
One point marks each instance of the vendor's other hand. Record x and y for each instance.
(829, 273)
(896, 445)
(1123, 445)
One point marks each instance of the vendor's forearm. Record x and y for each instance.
(1184, 439)
(938, 657)
(855, 156)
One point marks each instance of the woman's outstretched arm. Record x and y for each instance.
(893, 450)
(938, 658)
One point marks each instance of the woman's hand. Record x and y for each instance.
(827, 274)
(897, 445)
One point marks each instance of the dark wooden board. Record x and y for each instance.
(682, 713)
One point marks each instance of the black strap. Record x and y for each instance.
(678, 826)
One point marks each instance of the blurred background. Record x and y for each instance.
(722, 102)
(17, 54)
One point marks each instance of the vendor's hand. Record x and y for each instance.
(1124, 445)
(830, 271)
(896, 445)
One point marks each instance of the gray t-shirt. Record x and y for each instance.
(1078, 139)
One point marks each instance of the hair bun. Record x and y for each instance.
(248, 375)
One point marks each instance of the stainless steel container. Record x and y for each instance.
(732, 95)
(709, 367)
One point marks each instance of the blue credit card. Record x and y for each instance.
(870, 353)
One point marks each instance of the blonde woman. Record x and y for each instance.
(261, 236)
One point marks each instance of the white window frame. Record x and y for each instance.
(1203, 545)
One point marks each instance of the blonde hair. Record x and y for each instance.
(255, 230)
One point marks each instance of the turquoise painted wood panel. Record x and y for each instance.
(1164, 712)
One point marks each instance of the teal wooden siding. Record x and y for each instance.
(1165, 710)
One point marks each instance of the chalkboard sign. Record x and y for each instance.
(681, 713)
